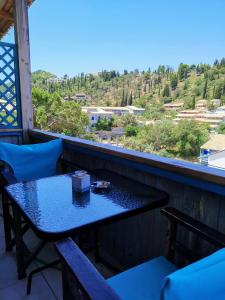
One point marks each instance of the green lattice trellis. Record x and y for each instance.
(9, 87)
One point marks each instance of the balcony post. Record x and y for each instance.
(23, 48)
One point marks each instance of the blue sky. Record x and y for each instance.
(92, 35)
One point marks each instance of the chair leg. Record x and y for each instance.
(96, 246)
(21, 266)
(40, 269)
(6, 220)
(12, 243)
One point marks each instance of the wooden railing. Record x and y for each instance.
(204, 177)
(195, 190)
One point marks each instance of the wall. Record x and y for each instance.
(217, 159)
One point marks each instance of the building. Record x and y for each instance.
(136, 110)
(54, 80)
(215, 145)
(221, 109)
(79, 98)
(96, 112)
(173, 106)
(214, 119)
(201, 105)
(216, 102)
(217, 160)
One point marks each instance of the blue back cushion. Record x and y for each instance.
(30, 162)
(203, 280)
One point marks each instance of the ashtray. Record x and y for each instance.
(101, 185)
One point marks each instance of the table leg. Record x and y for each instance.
(21, 267)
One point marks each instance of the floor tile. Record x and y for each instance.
(8, 274)
(54, 279)
(40, 291)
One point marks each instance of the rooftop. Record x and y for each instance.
(216, 142)
(177, 104)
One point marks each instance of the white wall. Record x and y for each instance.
(217, 160)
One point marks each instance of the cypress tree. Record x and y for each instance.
(130, 98)
(204, 94)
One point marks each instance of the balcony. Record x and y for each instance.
(195, 190)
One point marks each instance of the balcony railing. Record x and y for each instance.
(194, 189)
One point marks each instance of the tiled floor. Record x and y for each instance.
(46, 285)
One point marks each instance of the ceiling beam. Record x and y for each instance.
(4, 14)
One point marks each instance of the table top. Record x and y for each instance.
(55, 211)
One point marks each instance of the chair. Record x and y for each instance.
(28, 162)
(156, 279)
(24, 163)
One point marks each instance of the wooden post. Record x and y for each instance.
(23, 46)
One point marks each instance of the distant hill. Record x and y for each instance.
(163, 85)
(40, 77)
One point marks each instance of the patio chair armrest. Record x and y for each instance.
(211, 235)
(82, 274)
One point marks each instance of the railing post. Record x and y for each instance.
(23, 46)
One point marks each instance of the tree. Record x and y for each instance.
(222, 62)
(221, 128)
(158, 135)
(103, 124)
(193, 102)
(131, 130)
(166, 91)
(204, 93)
(154, 112)
(173, 81)
(216, 62)
(52, 113)
(190, 136)
(123, 101)
(125, 120)
(130, 101)
(182, 72)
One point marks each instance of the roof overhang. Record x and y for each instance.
(6, 15)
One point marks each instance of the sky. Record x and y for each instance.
(94, 35)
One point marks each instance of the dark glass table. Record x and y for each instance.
(54, 211)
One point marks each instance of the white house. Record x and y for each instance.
(96, 113)
(212, 152)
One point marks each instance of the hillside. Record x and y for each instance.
(189, 83)
(156, 131)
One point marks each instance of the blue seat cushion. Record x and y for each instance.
(202, 280)
(143, 282)
(30, 162)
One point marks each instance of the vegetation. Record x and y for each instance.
(154, 132)
(104, 124)
(167, 139)
(141, 88)
(221, 128)
(54, 114)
